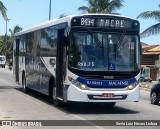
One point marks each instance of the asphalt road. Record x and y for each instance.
(15, 105)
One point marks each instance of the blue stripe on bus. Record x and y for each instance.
(106, 83)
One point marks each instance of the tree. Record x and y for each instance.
(6, 47)
(3, 11)
(2, 45)
(154, 29)
(16, 29)
(10, 41)
(102, 6)
(62, 15)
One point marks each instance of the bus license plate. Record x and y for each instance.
(109, 95)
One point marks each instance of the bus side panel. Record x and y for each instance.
(33, 72)
(44, 76)
(50, 65)
(38, 73)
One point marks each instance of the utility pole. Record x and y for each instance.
(7, 20)
(50, 5)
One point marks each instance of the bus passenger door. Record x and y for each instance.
(59, 64)
(16, 56)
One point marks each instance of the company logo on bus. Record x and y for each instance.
(95, 83)
(118, 83)
(106, 83)
(109, 83)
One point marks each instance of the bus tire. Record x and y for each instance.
(52, 94)
(25, 89)
(154, 98)
(57, 102)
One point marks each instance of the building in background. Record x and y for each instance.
(151, 60)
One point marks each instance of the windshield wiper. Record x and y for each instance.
(119, 44)
(98, 42)
(121, 39)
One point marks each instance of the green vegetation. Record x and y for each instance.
(3, 11)
(102, 6)
(62, 15)
(6, 42)
(94, 6)
(154, 29)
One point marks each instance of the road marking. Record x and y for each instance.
(80, 118)
(76, 116)
(22, 95)
(32, 101)
(7, 82)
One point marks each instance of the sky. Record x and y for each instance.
(28, 13)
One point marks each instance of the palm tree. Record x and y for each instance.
(3, 11)
(62, 15)
(2, 45)
(7, 46)
(16, 29)
(154, 29)
(101, 6)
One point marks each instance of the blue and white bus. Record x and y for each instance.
(81, 58)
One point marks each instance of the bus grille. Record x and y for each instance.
(108, 77)
(99, 97)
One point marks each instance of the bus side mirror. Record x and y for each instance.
(52, 62)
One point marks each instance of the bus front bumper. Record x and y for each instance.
(78, 95)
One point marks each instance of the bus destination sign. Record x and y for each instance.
(105, 22)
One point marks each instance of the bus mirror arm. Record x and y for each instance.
(66, 41)
(67, 51)
(140, 49)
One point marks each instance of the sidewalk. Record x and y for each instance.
(147, 85)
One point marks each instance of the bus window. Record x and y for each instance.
(29, 43)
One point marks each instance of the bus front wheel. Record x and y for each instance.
(57, 102)
(53, 96)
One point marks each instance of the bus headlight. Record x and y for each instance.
(78, 84)
(133, 85)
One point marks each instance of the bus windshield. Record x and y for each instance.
(100, 51)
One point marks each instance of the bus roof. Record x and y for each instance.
(62, 20)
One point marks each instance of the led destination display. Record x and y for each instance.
(105, 22)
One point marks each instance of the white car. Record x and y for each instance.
(2, 61)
